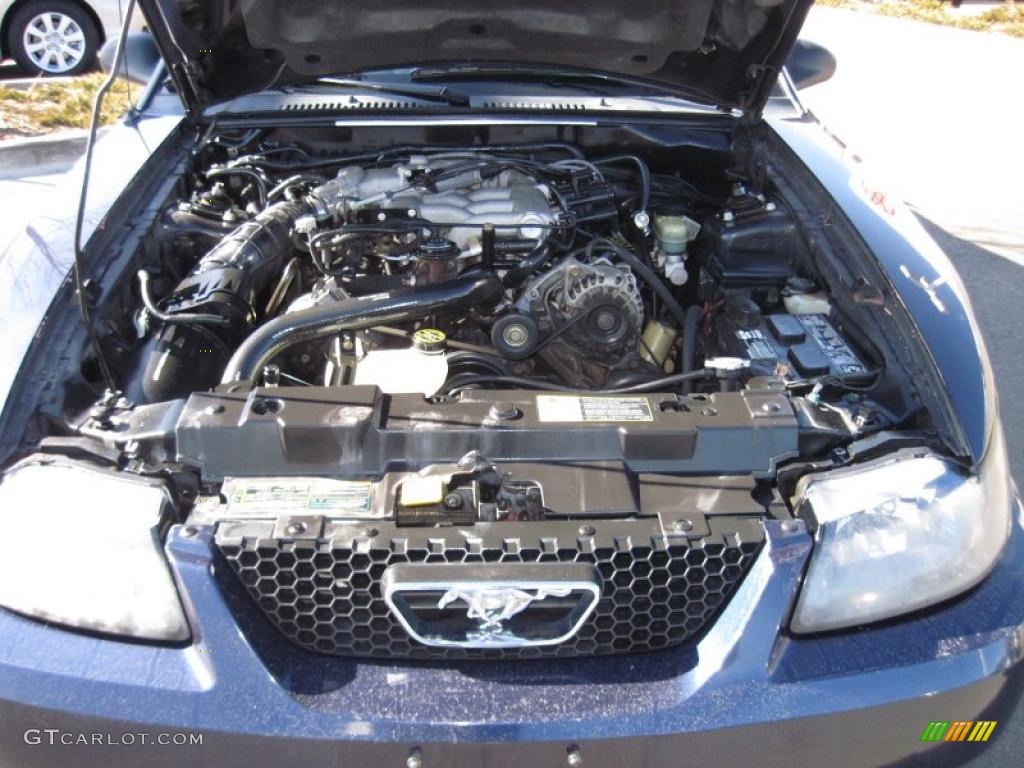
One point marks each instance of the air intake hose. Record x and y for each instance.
(403, 305)
(183, 355)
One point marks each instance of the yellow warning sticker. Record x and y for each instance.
(421, 491)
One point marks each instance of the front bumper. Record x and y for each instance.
(746, 692)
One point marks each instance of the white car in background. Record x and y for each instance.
(57, 37)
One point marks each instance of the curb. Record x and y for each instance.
(42, 154)
(24, 83)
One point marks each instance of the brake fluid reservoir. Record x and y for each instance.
(420, 368)
(674, 231)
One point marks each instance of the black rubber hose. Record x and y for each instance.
(399, 306)
(530, 264)
(645, 175)
(688, 358)
(646, 386)
(183, 318)
(645, 273)
(386, 152)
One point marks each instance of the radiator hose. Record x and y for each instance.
(399, 306)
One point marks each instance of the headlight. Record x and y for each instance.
(901, 534)
(80, 547)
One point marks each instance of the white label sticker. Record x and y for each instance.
(272, 496)
(575, 408)
(757, 345)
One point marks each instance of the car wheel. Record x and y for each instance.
(53, 37)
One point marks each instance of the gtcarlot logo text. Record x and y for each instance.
(57, 737)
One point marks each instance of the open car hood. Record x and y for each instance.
(724, 52)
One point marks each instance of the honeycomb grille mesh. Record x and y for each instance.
(326, 596)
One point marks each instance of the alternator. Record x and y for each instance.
(600, 302)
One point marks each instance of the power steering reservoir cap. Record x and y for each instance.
(429, 340)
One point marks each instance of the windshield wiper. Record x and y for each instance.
(441, 94)
(558, 75)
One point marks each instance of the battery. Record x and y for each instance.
(791, 346)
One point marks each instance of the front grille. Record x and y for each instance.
(325, 594)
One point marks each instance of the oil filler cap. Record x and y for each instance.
(429, 340)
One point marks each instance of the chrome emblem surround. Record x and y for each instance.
(490, 604)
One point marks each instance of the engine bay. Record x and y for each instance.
(459, 317)
(520, 266)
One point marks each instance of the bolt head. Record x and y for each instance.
(505, 411)
(514, 335)
(606, 321)
(682, 526)
(296, 528)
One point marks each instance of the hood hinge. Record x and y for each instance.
(185, 78)
(761, 79)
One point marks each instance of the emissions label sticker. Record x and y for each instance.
(573, 408)
(272, 496)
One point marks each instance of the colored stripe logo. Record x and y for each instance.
(958, 730)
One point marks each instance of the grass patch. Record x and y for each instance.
(1007, 18)
(50, 105)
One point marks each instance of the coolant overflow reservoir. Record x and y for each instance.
(420, 368)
